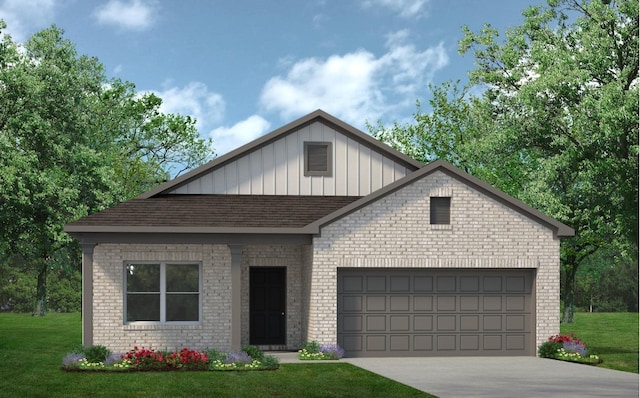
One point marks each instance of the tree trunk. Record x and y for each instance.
(569, 297)
(40, 307)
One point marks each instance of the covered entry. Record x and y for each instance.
(427, 312)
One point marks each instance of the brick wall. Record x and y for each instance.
(108, 284)
(289, 256)
(395, 232)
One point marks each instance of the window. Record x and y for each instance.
(162, 292)
(440, 210)
(317, 159)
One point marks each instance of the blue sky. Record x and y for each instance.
(244, 68)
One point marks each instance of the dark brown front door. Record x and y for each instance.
(267, 305)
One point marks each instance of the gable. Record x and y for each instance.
(276, 165)
(482, 188)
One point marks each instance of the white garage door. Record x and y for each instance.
(419, 312)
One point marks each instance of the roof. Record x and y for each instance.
(157, 212)
(317, 116)
(558, 228)
(212, 214)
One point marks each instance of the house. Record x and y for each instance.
(317, 231)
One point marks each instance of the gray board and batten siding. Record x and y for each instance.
(278, 167)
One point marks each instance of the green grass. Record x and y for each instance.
(614, 336)
(31, 352)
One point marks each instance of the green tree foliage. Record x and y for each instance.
(553, 120)
(73, 142)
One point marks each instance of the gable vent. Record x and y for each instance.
(317, 159)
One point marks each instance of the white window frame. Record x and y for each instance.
(163, 292)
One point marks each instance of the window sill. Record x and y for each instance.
(162, 326)
(441, 227)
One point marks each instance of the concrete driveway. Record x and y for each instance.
(503, 377)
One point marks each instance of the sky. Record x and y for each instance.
(244, 68)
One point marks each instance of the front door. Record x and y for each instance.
(267, 305)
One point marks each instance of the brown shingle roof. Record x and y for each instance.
(218, 211)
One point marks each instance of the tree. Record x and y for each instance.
(73, 142)
(555, 123)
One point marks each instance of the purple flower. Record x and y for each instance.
(332, 351)
(72, 360)
(112, 358)
(239, 358)
(575, 346)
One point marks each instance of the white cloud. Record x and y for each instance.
(26, 17)
(128, 15)
(356, 86)
(226, 139)
(404, 8)
(194, 100)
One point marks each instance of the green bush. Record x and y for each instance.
(312, 347)
(254, 352)
(270, 362)
(549, 349)
(96, 353)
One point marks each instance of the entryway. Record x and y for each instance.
(267, 305)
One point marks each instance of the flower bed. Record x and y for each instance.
(98, 358)
(315, 351)
(568, 348)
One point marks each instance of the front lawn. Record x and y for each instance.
(31, 352)
(614, 336)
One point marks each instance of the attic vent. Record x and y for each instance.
(440, 210)
(317, 159)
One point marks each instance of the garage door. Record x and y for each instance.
(391, 312)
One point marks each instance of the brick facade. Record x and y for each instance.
(109, 329)
(394, 232)
(289, 256)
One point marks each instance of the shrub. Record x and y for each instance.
(567, 348)
(96, 353)
(549, 349)
(313, 350)
(312, 347)
(238, 358)
(149, 359)
(254, 352)
(72, 361)
(270, 362)
(332, 351)
(215, 355)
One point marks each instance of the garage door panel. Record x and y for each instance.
(464, 312)
(399, 303)
(470, 323)
(423, 323)
(399, 323)
(376, 284)
(423, 303)
(376, 323)
(423, 343)
(400, 284)
(470, 303)
(399, 342)
(446, 303)
(352, 303)
(376, 343)
(469, 284)
(423, 284)
(351, 324)
(445, 323)
(352, 284)
(446, 284)
(376, 303)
